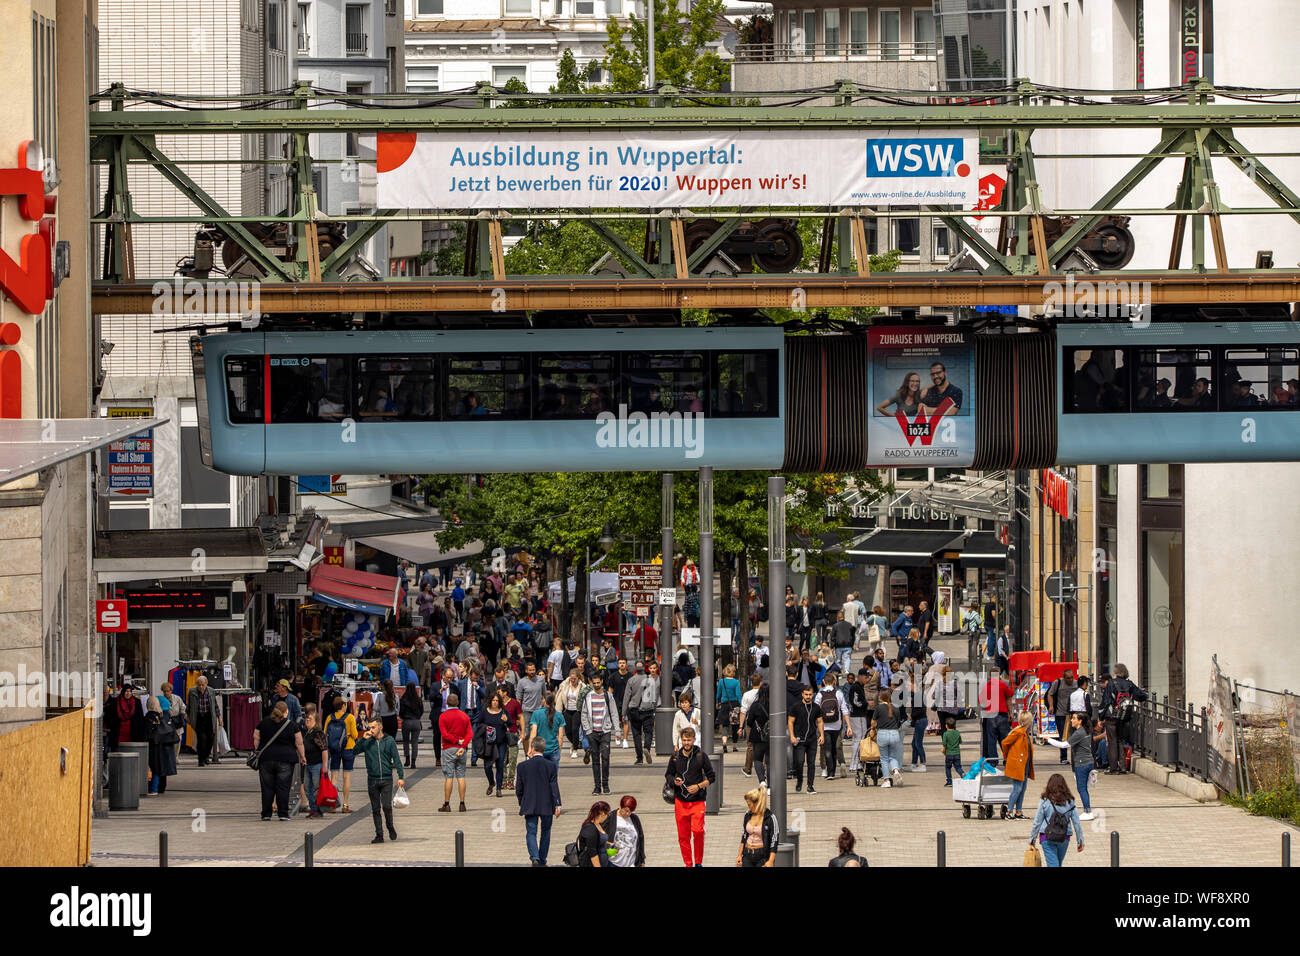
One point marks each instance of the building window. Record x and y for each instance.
(585, 8)
(357, 37)
(274, 26)
(354, 139)
(890, 34)
(1162, 482)
(613, 8)
(922, 32)
(428, 8)
(1162, 614)
(945, 244)
(501, 75)
(520, 6)
(422, 79)
(858, 32)
(831, 24)
(810, 32)
(304, 39)
(907, 236)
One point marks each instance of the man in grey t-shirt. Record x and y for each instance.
(531, 691)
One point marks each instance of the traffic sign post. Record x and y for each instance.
(1059, 587)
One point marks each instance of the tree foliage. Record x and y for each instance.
(682, 54)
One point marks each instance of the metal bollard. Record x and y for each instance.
(943, 849)
(1286, 849)
(1114, 848)
(460, 847)
(162, 849)
(309, 849)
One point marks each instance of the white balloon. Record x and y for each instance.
(356, 652)
(350, 627)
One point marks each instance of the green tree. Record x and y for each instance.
(682, 54)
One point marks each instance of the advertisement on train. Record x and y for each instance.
(562, 169)
(922, 386)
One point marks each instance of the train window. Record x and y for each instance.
(1098, 380)
(575, 386)
(309, 389)
(1179, 380)
(664, 381)
(482, 387)
(745, 384)
(245, 400)
(391, 389)
(1261, 378)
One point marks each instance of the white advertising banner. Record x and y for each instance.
(674, 170)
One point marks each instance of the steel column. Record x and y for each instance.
(708, 679)
(779, 733)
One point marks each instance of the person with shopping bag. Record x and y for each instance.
(1057, 818)
(382, 761)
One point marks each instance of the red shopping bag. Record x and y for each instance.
(327, 797)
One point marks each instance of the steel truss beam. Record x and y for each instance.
(567, 293)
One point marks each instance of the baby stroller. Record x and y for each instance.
(868, 772)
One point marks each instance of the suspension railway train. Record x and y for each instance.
(459, 401)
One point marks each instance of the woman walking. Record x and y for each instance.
(920, 720)
(845, 845)
(1056, 819)
(803, 622)
(173, 711)
(162, 737)
(1079, 743)
(490, 744)
(759, 832)
(728, 698)
(314, 748)
(592, 837)
(624, 834)
(886, 725)
(514, 712)
(278, 742)
(411, 711)
(1018, 758)
(386, 708)
(820, 619)
(566, 701)
(548, 724)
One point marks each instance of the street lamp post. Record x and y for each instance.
(664, 715)
(778, 734)
(708, 679)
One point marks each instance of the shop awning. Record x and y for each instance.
(420, 547)
(983, 550)
(354, 590)
(902, 548)
(166, 553)
(29, 444)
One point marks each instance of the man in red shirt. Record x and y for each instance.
(995, 698)
(457, 734)
(649, 638)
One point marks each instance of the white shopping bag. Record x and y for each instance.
(400, 799)
(221, 746)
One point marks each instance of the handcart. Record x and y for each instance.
(985, 792)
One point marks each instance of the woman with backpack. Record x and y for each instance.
(728, 702)
(490, 744)
(341, 740)
(877, 620)
(1118, 705)
(833, 707)
(411, 711)
(592, 838)
(162, 737)
(1056, 819)
(759, 832)
(1018, 760)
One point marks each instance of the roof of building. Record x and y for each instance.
(521, 24)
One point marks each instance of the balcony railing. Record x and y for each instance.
(358, 44)
(847, 50)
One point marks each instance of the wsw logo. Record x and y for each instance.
(922, 428)
(916, 158)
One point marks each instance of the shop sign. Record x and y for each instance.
(110, 617)
(129, 462)
(29, 282)
(1058, 493)
(333, 555)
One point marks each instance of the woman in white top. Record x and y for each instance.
(623, 829)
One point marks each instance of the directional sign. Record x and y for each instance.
(689, 635)
(640, 598)
(130, 460)
(1060, 587)
(667, 595)
(605, 597)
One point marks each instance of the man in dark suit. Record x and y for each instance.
(537, 786)
(470, 691)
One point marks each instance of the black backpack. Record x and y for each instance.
(572, 855)
(830, 706)
(1058, 827)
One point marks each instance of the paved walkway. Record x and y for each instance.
(211, 815)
